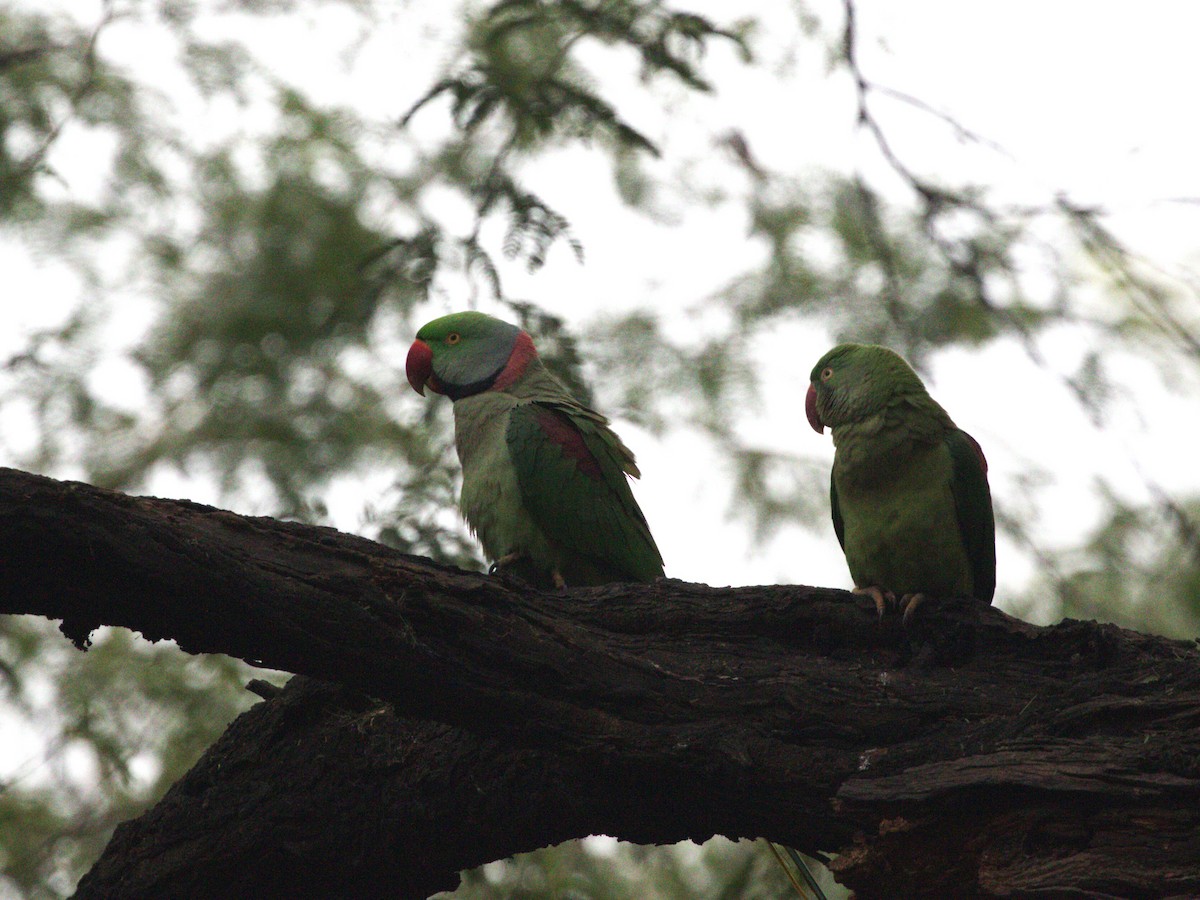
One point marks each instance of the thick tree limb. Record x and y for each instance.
(972, 755)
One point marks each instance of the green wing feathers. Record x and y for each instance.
(839, 524)
(571, 470)
(973, 504)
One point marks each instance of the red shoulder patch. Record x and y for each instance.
(559, 429)
(522, 352)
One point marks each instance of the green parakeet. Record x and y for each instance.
(909, 489)
(544, 478)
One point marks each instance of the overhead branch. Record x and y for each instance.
(968, 755)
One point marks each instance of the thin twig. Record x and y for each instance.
(81, 90)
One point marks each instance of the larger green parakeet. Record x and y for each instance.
(909, 489)
(544, 477)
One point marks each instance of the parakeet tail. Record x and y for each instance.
(801, 867)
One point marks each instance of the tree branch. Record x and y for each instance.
(969, 755)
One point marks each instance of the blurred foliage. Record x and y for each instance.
(1140, 568)
(252, 288)
(522, 72)
(108, 732)
(601, 869)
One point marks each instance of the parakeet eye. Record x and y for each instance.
(453, 337)
(826, 373)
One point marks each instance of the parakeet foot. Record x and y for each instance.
(908, 605)
(883, 599)
(506, 560)
(514, 569)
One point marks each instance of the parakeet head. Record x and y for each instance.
(853, 382)
(467, 352)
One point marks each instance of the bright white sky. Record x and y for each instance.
(1089, 99)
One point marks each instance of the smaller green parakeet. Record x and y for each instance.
(544, 481)
(911, 503)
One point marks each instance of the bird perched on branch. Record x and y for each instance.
(544, 478)
(909, 489)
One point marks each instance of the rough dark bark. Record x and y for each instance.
(969, 755)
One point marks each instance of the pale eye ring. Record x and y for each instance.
(826, 373)
(453, 338)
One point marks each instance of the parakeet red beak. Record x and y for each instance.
(419, 367)
(810, 408)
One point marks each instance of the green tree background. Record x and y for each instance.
(226, 242)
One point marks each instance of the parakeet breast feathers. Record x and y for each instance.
(490, 498)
